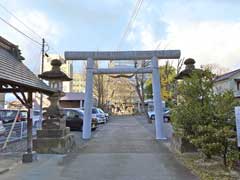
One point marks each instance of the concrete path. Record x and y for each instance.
(123, 149)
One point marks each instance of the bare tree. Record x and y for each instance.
(121, 91)
(216, 69)
(100, 88)
(140, 80)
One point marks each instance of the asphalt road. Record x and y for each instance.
(123, 149)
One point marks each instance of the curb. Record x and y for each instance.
(2, 170)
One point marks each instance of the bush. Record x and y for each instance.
(206, 119)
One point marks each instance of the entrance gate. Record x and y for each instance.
(92, 56)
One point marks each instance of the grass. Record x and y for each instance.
(212, 169)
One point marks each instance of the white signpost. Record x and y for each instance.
(237, 115)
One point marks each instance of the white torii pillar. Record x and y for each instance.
(87, 119)
(157, 100)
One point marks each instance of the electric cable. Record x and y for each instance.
(30, 29)
(16, 29)
(131, 21)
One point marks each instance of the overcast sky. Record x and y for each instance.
(206, 30)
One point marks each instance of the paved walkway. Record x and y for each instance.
(123, 149)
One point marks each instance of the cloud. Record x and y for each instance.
(192, 27)
(38, 22)
(207, 41)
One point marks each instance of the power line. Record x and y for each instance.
(30, 29)
(16, 29)
(131, 21)
(26, 26)
(140, 4)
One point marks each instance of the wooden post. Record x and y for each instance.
(29, 124)
(29, 156)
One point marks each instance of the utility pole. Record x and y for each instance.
(42, 69)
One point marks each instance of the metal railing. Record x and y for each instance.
(18, 132)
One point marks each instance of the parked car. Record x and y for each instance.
(166, 115)
(74, 119)
(2, 129)
(98, 115)
(105, 114)
(8, 115)
(35, 117)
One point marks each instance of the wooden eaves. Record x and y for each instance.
(14, 75)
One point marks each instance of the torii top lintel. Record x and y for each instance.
(122, 55)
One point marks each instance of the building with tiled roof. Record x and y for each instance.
(228, 81)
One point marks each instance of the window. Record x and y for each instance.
(8, 113)
(94, 111)
(238, 85)
(81, 114)
(24, 114)
(36, 113)
(101, 111)
(72, 114)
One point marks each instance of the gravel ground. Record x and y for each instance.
(20, 146)
(17, 146)
(122, 149)
(168, 129)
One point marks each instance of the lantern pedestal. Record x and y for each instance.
(29, 157)
(55, 141)
(55, 137)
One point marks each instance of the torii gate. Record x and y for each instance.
(90, 56)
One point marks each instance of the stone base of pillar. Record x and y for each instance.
(54, 141)
(29, 157)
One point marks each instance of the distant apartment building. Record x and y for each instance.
(66, 67)
(78, 82)
(74, 100)
(121, 64)
(228, 81)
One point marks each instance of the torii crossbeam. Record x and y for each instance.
(90, 56)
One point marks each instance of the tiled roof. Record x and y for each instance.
(227, 75)
(14, 72)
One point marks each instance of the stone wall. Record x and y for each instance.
(181, 144)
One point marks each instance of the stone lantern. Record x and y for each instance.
(54, 137)
(189, 67)
(55, 76)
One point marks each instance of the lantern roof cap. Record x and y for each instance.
(56, 62)
(189, 61)
(55, 73)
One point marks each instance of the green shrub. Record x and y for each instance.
(206, 119)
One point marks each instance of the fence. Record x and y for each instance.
(19, 131)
